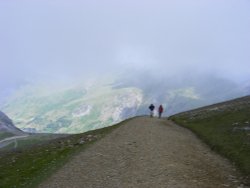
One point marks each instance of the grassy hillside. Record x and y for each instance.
(72, 110)
(28, 165)
(4, 135)
(99, 102)
(225, 127)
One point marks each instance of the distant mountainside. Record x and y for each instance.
(71, 110)
(99, 103)
(234, 105)
(6, 125)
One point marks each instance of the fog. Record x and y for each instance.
(64, 40)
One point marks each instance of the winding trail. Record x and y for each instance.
(10, 140)
(146, 153)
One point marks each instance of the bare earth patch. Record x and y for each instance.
(146, 152)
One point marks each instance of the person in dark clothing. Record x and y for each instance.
(151, 108)
(160, 110)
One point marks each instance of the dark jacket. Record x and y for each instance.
(151, 107)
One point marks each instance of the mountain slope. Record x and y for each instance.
(7, 128)
(39, 156)
(101, 102)
(225, 127)
(72, 110)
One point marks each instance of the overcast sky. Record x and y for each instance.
(41, 38)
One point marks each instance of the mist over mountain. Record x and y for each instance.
(7, 126)
(88, 64)
(194, 89)
(101, 101)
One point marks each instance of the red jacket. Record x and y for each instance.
(160, 109)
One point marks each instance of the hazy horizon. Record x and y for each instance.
(67, 40)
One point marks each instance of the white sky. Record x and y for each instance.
(42, 38)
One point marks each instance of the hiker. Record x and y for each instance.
(151, 108)
(160, 110)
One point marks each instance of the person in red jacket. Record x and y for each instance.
(160, 110)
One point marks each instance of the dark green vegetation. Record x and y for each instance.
(4, 135)
(28, 166)
(225, 127)
(30, 141)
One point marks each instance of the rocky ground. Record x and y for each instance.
(146, 152)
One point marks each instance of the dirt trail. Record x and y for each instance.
(9, 140)
(146, 152)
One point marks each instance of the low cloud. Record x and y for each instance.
(67, 40)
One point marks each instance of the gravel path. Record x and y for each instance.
(146, 153)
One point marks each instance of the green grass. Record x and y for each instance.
(52, 112)
(4, 135)
(29, 166)
(222, 131)
(31, 140)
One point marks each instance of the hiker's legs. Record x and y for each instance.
(151, 113)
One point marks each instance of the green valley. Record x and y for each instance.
(72, 110)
